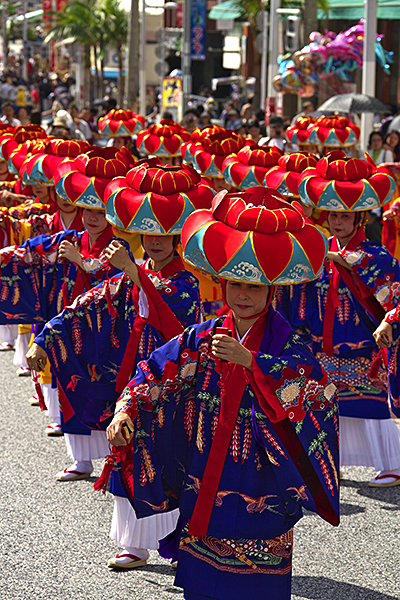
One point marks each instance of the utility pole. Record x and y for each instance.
(142, 66)
(24, 44)
(369, 66)
(4, 33)
(131, 67)
(186, 61)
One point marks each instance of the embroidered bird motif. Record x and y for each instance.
(162, 506)
(300, 492)
(196, 484)
(257, 504)
(73, 383)
(94, 376)
(10, 316)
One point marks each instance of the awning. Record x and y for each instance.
(225, 10)
(34, 14)
(353, 10)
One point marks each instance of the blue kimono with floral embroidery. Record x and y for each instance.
(86, 343)
(347, 348)
(271, 469)
(35, 284)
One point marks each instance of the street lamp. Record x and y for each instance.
(142, 62)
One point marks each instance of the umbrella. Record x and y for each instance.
(354, 103)
(394, 124)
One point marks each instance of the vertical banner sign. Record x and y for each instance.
(198, 29)
(269, 109)
(61, 5)
(47, 6)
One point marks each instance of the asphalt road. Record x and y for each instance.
(54, 536)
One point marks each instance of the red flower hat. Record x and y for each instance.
(211, 151)
(335, 132)
(21, 152)
(11, 142)
(39, 168)
(121, 123)
(300, 131)
(156, 199)
(188, 149)
(286, 176)
(250, 165)
(162, 139)
(82, 181)
(255, 237)
(339, 183)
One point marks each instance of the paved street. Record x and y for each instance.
(54, 536)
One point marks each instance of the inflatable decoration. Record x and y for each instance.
(330, 56)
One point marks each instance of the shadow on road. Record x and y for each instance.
(389, 495)
(322, 588)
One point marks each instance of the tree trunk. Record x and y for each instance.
(132, 63)
(88, 76)
(120, 77)
(102, 77)
(310, 23)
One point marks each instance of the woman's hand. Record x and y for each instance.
(392, 213)
(226, 348)
(384, 335)
(114, 430)
(119, 258)
(36, 358)
(335, 257)
(70, 252)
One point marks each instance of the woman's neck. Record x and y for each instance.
(243, 325)
(156, 266)
(68, 217)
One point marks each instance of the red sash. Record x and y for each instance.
(356, 286)
(233, 384)
(82, 281)
(160, 316)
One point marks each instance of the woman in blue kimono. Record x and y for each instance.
(234, 421)
(95, 344)
(338, 313)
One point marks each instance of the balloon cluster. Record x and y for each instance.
(327, 56)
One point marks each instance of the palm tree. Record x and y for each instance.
(78, 21)
(114, 26)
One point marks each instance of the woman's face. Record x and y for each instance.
(94, 221)
(158, 247)
(3, 170)
(393, 139)
(22, 114)
(41, 192)
(64, 206)
(254, 132)
(245, 299)
(219, 184)
(341, 225)
(376, 142)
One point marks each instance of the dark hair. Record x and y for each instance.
(36, 117)
(371, 135)
(396, 149)
(167, 115)
(7, 103)
(253, 123)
